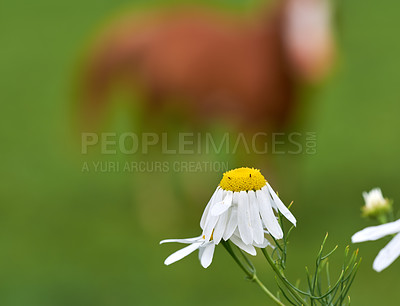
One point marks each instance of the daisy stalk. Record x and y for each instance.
(250, 271)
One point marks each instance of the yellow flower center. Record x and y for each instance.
(242, 179)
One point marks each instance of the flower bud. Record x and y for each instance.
(375, 204)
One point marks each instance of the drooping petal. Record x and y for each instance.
(268, 216)
(184, 240)
(376, 232)
(178, 255)
(207, 210)
(201, 250)
(232, 223)
(211, 221)
(248, 248)
(244, 225)
(267, 194)
(264, 244)
(220, 227)
(282, 208)
(207, 255)
(258, 233)
(221, 207)
(388, 254)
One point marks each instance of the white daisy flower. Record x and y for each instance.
(375, 203)
(391, 251)
(243, 201)
(240, 210)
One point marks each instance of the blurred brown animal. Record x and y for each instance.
(245, 72)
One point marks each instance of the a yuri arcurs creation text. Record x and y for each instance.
(245, 214)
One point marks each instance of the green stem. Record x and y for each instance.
(265, 289)
(251, 274)
(282, 277)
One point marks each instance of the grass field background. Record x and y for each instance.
(73, 238)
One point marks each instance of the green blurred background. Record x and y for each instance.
(73, 238)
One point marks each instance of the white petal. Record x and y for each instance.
(376, 232)
(212, 220)
(236, 233)
(178, 255)
(248, 248)
(268, 216)
(232, 223)
(265, 190)
(235, 199)
(207, 210)
(282, 208)
(184, 240)
(258, 233)
(221, 207)
(264, 244)
(244, 225)
(365, 196)
(388, 254)
(220, 227)
(207, 255)
(201, 250)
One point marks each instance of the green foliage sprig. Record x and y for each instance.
(320, 289)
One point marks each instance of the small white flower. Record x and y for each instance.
(391, 251)
(375, 203)
(240, 210)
